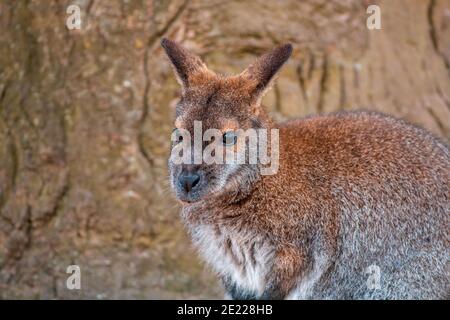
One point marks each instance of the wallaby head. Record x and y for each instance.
(225, 103)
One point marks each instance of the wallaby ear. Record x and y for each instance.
(185, 63)
(263, 70)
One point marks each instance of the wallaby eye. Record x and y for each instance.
(229, 138)
(178, 135)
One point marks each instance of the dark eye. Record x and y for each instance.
(178, 135)
(229, 138)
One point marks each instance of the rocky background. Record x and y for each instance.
(86, 115)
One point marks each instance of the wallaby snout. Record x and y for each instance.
(189, 181)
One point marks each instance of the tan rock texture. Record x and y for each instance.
(86, 115)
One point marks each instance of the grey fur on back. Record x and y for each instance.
(397, 223)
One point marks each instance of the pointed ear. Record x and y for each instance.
(263, 70)
(185, 63)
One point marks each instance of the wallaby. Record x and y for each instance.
(358, 208)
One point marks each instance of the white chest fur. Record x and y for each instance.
(242, 256)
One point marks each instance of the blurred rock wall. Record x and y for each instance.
(85, 119)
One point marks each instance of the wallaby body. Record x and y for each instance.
(356, 193)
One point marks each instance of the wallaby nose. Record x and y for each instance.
(189, 181)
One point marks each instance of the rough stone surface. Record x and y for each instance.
(85, 119)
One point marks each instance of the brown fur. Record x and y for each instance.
(353, 189)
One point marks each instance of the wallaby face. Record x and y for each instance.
(228, 104)
(357, 210)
